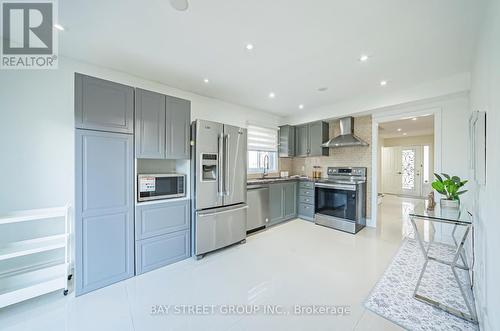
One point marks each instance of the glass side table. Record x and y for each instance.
(458, 219)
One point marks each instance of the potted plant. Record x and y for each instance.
(449, 187)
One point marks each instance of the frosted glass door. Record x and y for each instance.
(411, 170)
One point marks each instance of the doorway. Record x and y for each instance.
(403, 170)
(406, 156)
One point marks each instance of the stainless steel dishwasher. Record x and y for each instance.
(258, 206)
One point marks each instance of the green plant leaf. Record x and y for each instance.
(464, 182)
(439, 186)
(462, 192)
(456, 179)
(438, 177)
(446, 175)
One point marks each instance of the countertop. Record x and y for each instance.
(271, 180)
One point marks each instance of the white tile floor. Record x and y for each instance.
(296, 263)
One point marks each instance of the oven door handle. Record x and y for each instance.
(346, 187)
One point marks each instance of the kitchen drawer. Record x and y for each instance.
(162, 218)
(306, 211)
(306, 185)
(307, 200)
(160, 251)
(306, 192)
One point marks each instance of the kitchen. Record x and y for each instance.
(169, 227)
(179, 157)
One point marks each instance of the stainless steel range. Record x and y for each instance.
(340, 201)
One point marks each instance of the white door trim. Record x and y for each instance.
(394, 115)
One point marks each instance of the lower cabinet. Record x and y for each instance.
(162, 233)
(306, 200)
(156, 252)
(282, 202)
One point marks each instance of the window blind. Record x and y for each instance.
(262, 139)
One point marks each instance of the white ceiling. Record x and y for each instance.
(422, 126)
(299, 45)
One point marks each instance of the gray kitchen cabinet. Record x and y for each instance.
(161, 218)
(162, 234)
(286, 147)
(162, 126)
(178, 114)
(275, 203)
(302, 140)
(306, 200)
(282, 202)
(309, 137)
(150, 124)
(159, 251)
(306, 211)
(289, 200)
(103, 105)
(318, 134)
(104, 209)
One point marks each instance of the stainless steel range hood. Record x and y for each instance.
(346, 137)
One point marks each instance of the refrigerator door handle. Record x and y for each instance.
(226, 166)
(220, 172)
(225, 210)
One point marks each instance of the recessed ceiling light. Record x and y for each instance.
(399, 130)
(206, 81)
(363, 58)
(414, 119)
(404, 133)
(249, 47)
(383, 83)
(301, 106)
(180, 5)
(59, 27)
(272, 95)
(323, 89)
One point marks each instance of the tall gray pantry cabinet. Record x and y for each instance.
(104, 199)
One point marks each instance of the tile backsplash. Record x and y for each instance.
(357, 156)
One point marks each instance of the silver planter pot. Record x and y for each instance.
(450, 204)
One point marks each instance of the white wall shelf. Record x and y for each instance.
(29, 281)
(32, 246)
(33, 215)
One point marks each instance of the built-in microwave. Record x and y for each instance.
(160, 186)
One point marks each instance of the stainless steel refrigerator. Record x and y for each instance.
(219, 190)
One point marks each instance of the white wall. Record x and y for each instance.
(408, 141)
(37, 130)
(452, 128)
(485, 96)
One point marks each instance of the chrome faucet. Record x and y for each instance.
(266, 166)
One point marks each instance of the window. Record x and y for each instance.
(262, 146)
(426, 164)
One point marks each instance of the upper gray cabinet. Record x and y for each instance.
(103, 105)
(178, 128)
(302, 140)
(162, 126)
(309, 138)
(150, 122)
(318, 134)
(286, 141)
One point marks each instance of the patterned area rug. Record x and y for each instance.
(392, 297)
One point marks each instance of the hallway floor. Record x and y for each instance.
(288, 268)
